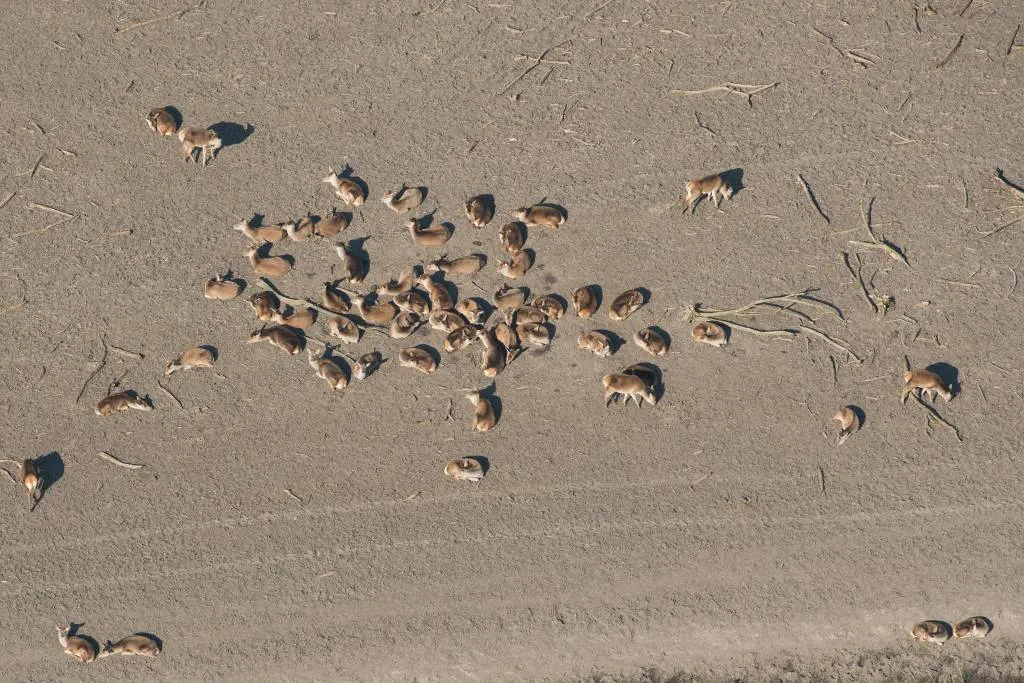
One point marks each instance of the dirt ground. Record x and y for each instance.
(720, 534)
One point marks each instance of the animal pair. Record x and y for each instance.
(85, 649)
(933, 631)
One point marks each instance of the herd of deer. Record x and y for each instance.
(527, 322)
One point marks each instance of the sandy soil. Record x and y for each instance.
(714, 534)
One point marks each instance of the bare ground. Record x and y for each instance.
(719, 535)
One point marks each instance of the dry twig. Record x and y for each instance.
(172, 15)
(952, 51)
(888, 247)
(813, 199)
(103, 362)
(120, 463)
(743, 89)
(168, 392)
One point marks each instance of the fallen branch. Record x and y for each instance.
(743, 89)
(44, 207)
(781, 303)
(989, 233)
(856, 276)
(126, 352)
(829, 340)
(813, 199)
(894, 252)
(103, 362)
(935, 415)
(168, 392)
(537, 62)
(949, 56)
(1010, 186)
(120, 463)
(172, 15)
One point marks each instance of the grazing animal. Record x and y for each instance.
(974, 627)
(512, 237)
(518, 264)
(367, 364)
(344, 328)
(263, 234)
(265, 305)
(630, 386)
(376, 314)
(714, 187)
(651, 341)
(926, 384)
(203, 139)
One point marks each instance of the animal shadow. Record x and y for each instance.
(264, 251)
(645, 293)
(240, 281)
(561, 301)
(51, 469)
(431, 351)
(949, 375)
(614, 340)
(232, 133)
(175, 115)
(355, 246)
(486, 307)
(156, 639)
(658, 386)
(734, 178)
(340, 361)
(73, 630)
(859, 412)
(665, 335)
(485, 463)
(348, 173)
(212, 349)
(488, 200)
(490, 393)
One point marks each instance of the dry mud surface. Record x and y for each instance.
(720, 534)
